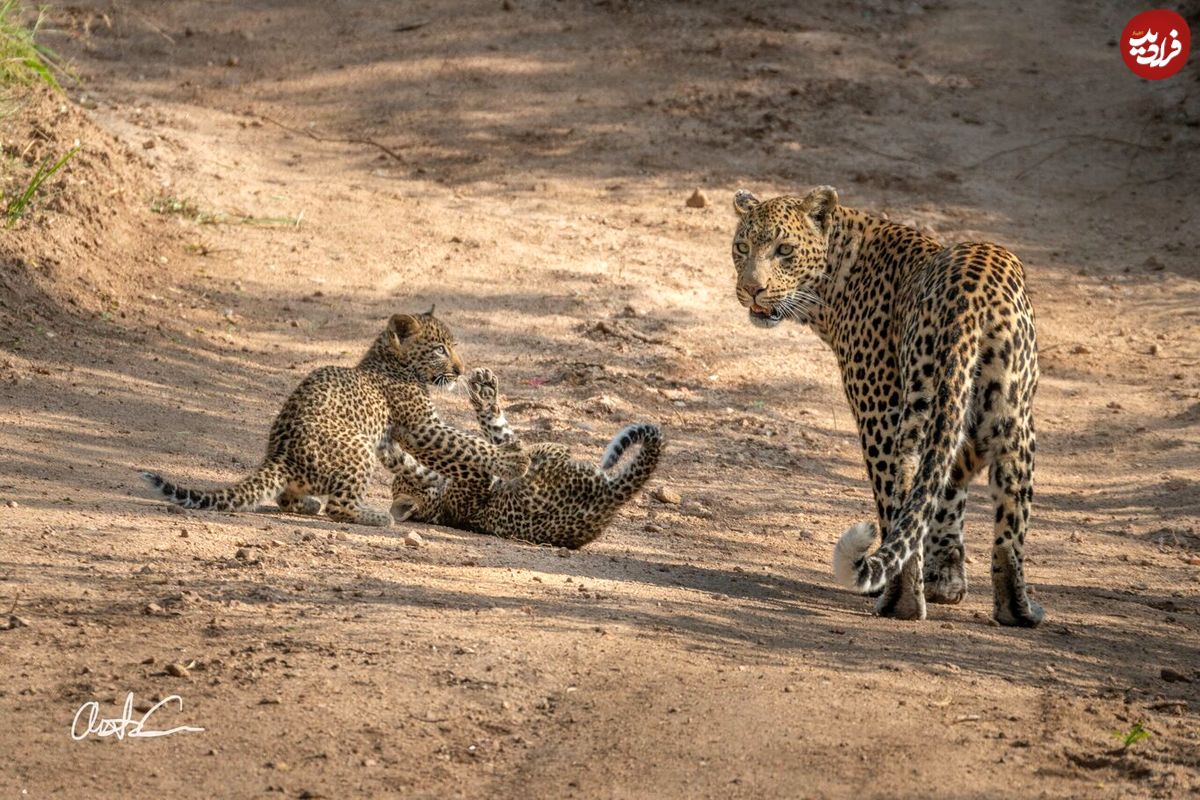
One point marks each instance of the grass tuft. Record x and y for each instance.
(16, 207)
(22, 60)
(1131, 737)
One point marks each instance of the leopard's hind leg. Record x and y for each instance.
(347, 492)
(945, 557)
(1011, 479)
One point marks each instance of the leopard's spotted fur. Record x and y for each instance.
(939, 362)
(324, 441)
(558, 502)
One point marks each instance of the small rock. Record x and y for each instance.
(1174, 676)
(232, 61)
(152, 608)
(1080, 350)
(145, 570)
(665, 495)
(270, 701)
(248, 554)
(788, 689)
(13, 622)
(308, 537)
(698, 200)
(148, 144)
(1154, 348)
(413, 539)
(1153, 264)
(13, 504)
(183, 533)
(341, 536)
(178, 670)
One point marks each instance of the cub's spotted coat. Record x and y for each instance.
(324, 441)
(558, 502)
(939, 362)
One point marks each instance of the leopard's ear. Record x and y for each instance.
(744, 202)
(819, 204)
(429, 313)
(404, 326)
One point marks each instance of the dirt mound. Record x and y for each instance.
(88, 238)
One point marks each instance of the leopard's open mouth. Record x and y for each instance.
(765, 318)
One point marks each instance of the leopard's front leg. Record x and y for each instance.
(450, 452)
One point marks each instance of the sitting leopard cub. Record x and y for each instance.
(324, 441)
(558, 502)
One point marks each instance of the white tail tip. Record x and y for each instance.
(855, 543)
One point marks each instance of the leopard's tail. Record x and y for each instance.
(638, 469)
(265, 484)
(941, 435)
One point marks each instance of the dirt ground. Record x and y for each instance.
(261, 184)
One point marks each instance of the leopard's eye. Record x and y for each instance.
(741, 248)
(443, 351)
(784, 250)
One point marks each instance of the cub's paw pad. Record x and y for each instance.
(483, 386)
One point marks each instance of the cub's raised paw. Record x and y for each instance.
(483, 387)
(513, 462)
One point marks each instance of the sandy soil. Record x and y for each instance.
(525, 165)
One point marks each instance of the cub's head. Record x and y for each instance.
(779, 253)
(425, 346)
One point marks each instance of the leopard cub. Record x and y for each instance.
(559, 502)
(322, 448)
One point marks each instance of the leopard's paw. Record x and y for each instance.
(513, 462)
(483, 387)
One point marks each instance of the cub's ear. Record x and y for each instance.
(744, 202)
(819, 204)
(429, 313)
(404, 326)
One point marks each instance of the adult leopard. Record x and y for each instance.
(938, 358)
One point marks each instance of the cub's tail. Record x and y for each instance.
(639, 469)
(265, 484)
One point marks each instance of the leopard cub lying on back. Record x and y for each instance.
(323, 444)
(558, 502)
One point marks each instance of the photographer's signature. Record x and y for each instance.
(87, 721)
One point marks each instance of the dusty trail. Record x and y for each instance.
(545, 156)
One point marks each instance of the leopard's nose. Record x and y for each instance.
(752, 290)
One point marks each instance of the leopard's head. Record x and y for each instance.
(779, 253)
(425, 345)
